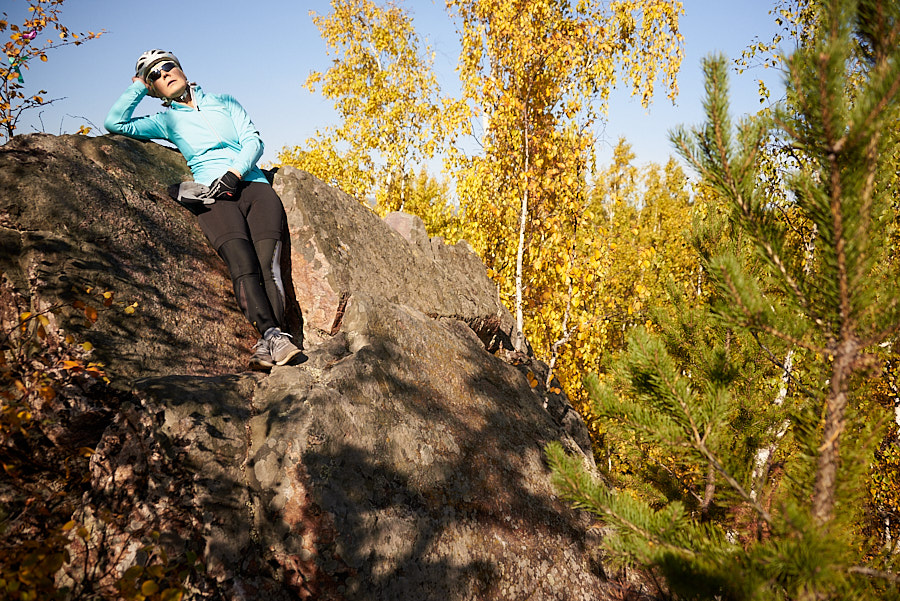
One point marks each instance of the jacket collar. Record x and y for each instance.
(198, 98)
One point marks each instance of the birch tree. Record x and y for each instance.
(540, 73)
(387, 99)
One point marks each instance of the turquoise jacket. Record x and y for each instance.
(214, 137)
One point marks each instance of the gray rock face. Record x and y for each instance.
(402, 460)
(340, 250)
(78, 213)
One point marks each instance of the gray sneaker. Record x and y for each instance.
(261, 359)
(281, 349)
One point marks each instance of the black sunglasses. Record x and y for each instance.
(157, 72)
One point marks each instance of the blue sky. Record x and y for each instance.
(261, 53)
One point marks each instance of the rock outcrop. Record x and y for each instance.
(401, 460)
(79, 213)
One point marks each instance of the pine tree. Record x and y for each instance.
(745, 424)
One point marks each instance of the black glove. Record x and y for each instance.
(225, 187)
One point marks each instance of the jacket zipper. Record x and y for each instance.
(210, 127)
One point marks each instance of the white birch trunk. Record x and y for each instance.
(763, 455)
(519, 342)
(520, 266)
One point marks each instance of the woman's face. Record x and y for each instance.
(171, 83)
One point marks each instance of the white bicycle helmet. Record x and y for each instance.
(150, 59)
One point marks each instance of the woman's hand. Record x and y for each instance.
(225, 187)
(141, 79)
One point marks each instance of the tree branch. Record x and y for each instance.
(873, 573)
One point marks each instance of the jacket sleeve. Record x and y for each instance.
(119, 120)
(251, 145)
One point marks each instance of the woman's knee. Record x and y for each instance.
(240, 256)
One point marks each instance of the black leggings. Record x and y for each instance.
(247, 232)
(258, 291)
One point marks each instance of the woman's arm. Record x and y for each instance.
(119, 120)
(248, 137)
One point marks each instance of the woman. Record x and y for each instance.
(239, 212)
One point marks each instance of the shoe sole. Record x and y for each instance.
(257, 365)
(290, 356)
